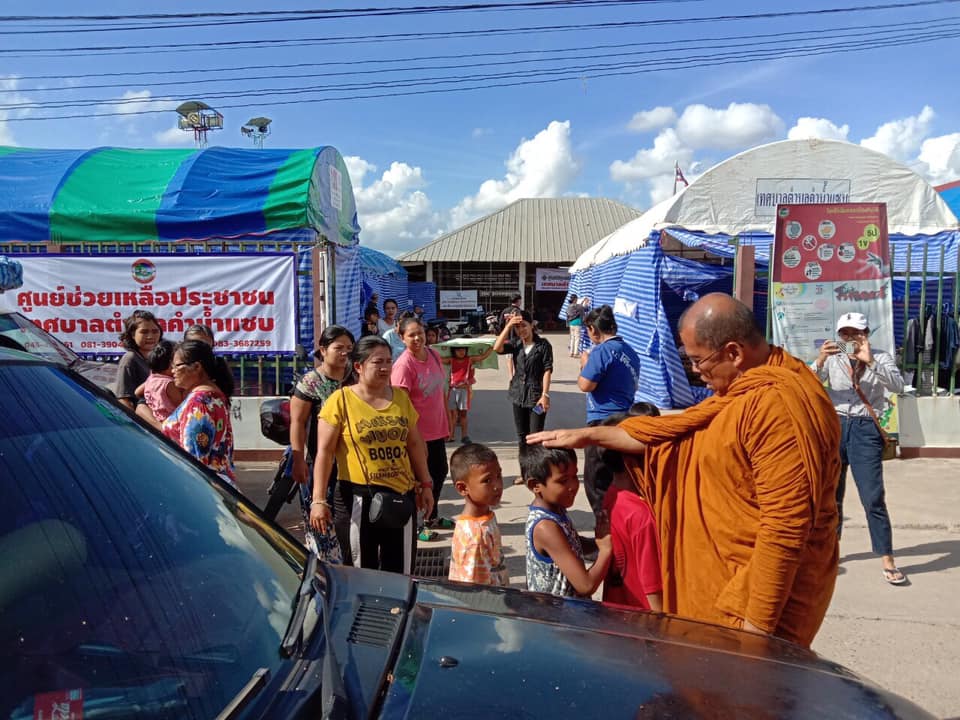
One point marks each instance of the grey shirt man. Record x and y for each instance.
(879, 376)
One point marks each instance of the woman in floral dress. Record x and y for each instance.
(201, 423)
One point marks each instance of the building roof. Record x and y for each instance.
(535, 230)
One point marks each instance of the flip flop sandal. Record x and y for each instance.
(894, 576)
(426, 535)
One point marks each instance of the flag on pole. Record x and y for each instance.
(679, 177)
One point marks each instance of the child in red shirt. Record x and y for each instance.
(634, 577)
(462, 378)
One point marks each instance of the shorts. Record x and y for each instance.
(459, 399)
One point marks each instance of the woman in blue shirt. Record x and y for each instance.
(609, 374)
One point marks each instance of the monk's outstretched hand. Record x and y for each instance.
(576, 438)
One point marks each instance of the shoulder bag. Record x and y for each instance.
(388, 508)
(889, 443)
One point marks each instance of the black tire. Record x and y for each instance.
(279, 492)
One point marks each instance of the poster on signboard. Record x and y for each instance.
(552, 280)
(248, 300)
(830, 259)
(458, 299)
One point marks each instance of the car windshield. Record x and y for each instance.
(130, 583)
(34, 340)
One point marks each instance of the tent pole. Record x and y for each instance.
(744, 274)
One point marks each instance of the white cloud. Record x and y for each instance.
(173, 137)
(658, 161)
(479, 132)
(133, 101)
(939, 158)
(900, 139)
(817, 128)
(654, 119)
(739, 125)
(543, 166)
(10, 96)
(358, 168)
(395, 213)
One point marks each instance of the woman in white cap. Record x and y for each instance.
(857, 377)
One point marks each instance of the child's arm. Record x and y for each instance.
(174, 394)
(445, 360)
(141, 388)
(482, 356)
(549, 539)
(656, 601)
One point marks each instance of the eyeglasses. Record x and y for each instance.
(698, 362)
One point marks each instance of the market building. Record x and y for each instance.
(526, 247)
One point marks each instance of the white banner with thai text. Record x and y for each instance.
(248, 300)
(552, 279)
(458, 299)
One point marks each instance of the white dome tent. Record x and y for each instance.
(735, 202)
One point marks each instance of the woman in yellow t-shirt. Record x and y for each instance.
(371, 429)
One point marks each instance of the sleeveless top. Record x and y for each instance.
(543, 575)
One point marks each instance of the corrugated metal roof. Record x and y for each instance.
(537, 230)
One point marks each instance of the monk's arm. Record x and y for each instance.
(786, 512)
(607, 436)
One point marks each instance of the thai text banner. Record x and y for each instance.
(785, 191)
(248, 300)
(552, 279)
(458, 299)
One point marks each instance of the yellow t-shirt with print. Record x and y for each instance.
(373, 448)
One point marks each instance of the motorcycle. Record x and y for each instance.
(275, 426)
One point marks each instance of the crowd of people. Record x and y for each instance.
(728, 512)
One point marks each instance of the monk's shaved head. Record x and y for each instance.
(717, 319)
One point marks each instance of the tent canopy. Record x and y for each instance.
(739, 196)
(117, 194)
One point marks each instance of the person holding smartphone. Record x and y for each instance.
(529, 390)
(857, 377)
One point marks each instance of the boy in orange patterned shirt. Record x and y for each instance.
(477, 554)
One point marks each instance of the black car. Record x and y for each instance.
(135, 583)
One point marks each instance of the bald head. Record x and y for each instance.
(718, 318)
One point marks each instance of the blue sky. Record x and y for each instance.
(426, 163)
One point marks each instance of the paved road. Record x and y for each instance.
(906, 638)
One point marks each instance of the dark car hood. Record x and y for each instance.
(478, 652)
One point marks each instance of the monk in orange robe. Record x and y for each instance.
(743, 485)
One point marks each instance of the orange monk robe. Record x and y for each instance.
(744, 490)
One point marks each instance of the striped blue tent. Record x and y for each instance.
(383, 275)
(424, 294)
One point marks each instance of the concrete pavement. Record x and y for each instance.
(906, 639)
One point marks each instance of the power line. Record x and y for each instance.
(859, 32)
(535, 77)
(267, 17)
(393, 37)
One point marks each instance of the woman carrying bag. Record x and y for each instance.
(310, 393)
(371, 429)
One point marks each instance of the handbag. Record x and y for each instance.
(889, 442)
(388, 508)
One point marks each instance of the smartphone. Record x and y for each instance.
(538, 409)
(847, 346)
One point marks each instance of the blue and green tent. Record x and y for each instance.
(107, 197)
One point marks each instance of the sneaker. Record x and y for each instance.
(444, 523)
(465, 440)
(426, 534)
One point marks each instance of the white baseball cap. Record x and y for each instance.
(857, 321)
